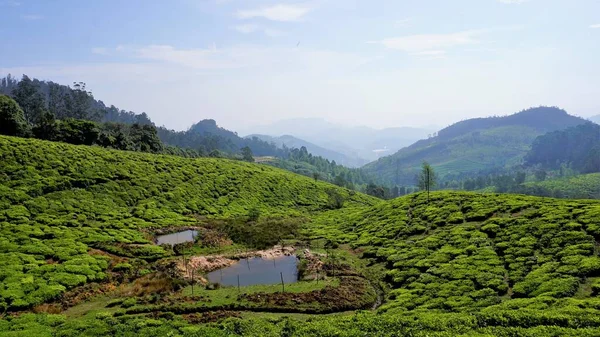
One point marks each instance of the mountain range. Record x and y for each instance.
(360, 143)
(316, 150)
(472, 146)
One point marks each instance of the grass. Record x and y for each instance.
(90, 308)
(228, 295)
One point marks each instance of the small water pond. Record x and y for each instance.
(175, 238)
(256, 270)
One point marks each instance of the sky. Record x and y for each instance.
(378, 63)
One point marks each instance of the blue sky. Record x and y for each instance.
(249, 62)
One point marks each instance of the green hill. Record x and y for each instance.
(472, 146)
(73, 217)
(584, 186)
(58, 200)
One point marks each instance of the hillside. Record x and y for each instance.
(577, 147)
(474, 145)
(466, 251)
(583, 186)
(77, 225)
(595, 119)
(353, 141)
(315, 150)
(58, 200)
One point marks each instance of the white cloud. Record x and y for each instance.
(252, 28)
(279, 12)
(429, 42)
(31, 17)
(512, 2)
(595, 26)
(274, 59)
(246, 29)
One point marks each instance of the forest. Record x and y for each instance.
(76, 244)
(60, 113)
(497, 154)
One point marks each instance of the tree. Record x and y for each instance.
(247, 154)
(78, 132)
(427, 178)
(46, 128)
(145, 138)
(375, 190)
(316, 175)
(540, 175)
(335, 200)
(339, 180)
(12, 118)
(29, 99)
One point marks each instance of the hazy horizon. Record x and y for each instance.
(252, 63)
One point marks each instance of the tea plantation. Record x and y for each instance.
(462, 264)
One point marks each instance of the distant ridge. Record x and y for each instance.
(473, 145)
(316, 150)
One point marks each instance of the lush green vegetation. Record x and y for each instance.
(58, 200)
(583, 186)
(76, 219)
(474, 146)
(578, 147)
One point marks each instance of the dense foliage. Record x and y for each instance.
(464, 251)
(12, 118)
(472, 146)
(61, 113)
(459, 264)
(578, 147)
(59, 200)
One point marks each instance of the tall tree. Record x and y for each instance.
(30, 99)
(12, 118)
(427, 178)
(247, 154)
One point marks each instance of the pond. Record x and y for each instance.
(175, 238)
(256, 270)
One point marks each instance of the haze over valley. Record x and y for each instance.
(300, 168)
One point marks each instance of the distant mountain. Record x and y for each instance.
(474, 145)
(206, 136)
(595, 119)
(315, 150)
(578, 147)
(355, 142)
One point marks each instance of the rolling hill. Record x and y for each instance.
(315, 150)
(74, 218)
(353, 141)
(58, 200)
(472, 146)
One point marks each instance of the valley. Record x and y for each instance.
(80, 253)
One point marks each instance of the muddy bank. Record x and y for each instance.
(205, 264)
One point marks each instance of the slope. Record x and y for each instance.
(474, 145)
(315, 150)
(459, 265)
(57, 201)
(582, 186)
(353, 141)
(468, 251)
